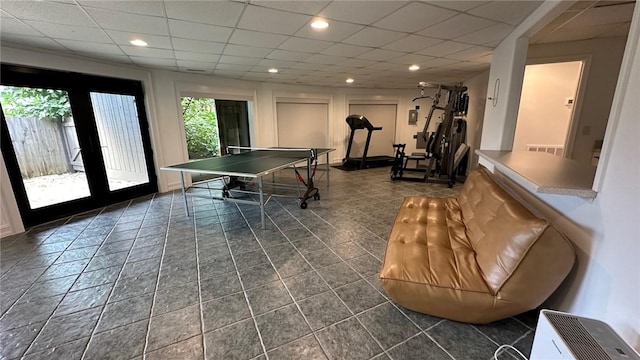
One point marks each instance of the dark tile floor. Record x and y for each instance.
(142, 280)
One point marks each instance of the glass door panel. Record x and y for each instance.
(44, 139)
(121, 145)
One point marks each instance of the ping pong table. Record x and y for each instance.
(254, 164)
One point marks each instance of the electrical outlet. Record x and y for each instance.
(568, 101)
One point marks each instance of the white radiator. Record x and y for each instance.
(557, 150)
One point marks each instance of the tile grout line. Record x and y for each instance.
(284, 284)
(67, 292)
(155, 289)
(329, 286)
(104, 307)
(244, 291)
(49, 266)
(363, 278)
(195, 227)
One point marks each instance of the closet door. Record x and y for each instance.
(303, 125)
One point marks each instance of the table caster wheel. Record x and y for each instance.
(303, 205)
(316, 197)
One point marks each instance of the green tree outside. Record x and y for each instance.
(32, 102)
(201, 127)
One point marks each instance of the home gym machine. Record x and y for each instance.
(357, 122)
(446, 151)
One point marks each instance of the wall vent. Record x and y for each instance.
(557, 150)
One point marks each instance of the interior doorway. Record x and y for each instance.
(548, 105)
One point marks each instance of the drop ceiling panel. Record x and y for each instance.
(471, 53)
(373, 37)
(270, 20)
(241, 50)
(380, 55)
(324, 59)
(219, 13)
(411, 59)
(233, 67)
(188, 30)
(488, 35)
(279, 64)
(360, 12)
(200, 65)
(256, 38)
(151, 61)
(39, 42)
(357, 63)
(444, 48)
(70, 32)
(572, 34)
(304, 45)
(337, 31)
(241, 60)
(411, 43)
(153, 8)
(439, 62)
(505, 10)
(198, 46)
(148, 52)
(345, 50)
(57, 13)
(124, 38)
(414, 17)
(460, 5)
(457, 26)
(603, 16)
(114, 20)
(13, 26)
(288, 55)
(91, 48)
(300, 7)
(197, 56)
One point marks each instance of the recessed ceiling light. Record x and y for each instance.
(138, 42)
(319, 24)
(273, 70)
(349, 80)
(414, 67)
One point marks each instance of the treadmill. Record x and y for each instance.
(358, 122)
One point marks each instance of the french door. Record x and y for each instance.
(73, 142)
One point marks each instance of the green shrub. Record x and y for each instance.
(201, 127)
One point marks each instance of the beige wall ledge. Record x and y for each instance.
(544, 173)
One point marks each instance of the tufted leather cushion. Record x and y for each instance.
(477, 258)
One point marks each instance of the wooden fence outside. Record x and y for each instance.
(120, 138)
(39, 145)
(44, 147)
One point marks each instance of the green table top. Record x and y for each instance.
(248, 164)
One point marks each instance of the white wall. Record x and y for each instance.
(543, 117)
(604, 57)
(477, 89)
(606, 232)
(381, 143)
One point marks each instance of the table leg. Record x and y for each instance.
(184, 193)
(261, 202)
(327, 169)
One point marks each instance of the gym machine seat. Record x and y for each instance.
(357, 122)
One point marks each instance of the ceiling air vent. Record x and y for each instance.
(196, 70)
